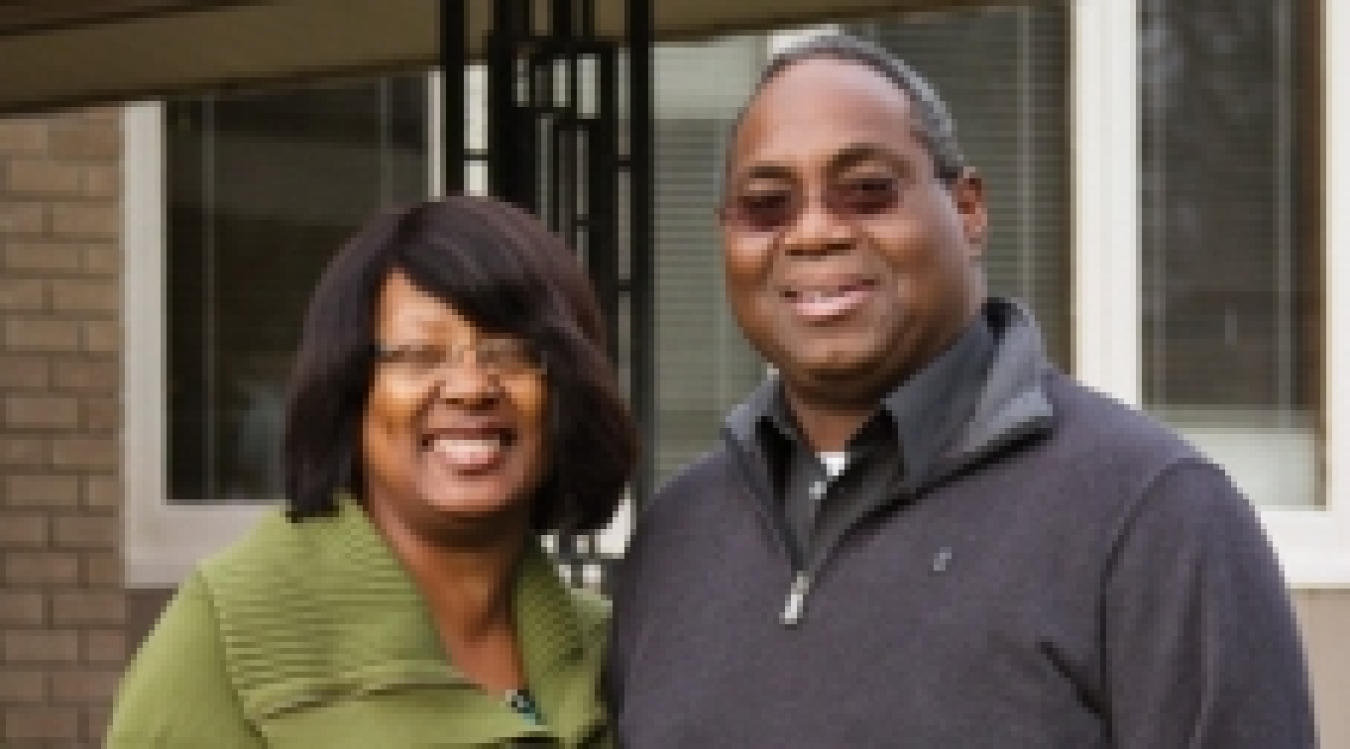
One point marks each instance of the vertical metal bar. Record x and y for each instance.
(642, 296)
(525, 117)
(569, 49)
(510, 136)
(602, 202)
(453, 60)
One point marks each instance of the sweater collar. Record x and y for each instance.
(365, 565)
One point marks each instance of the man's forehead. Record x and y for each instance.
(824, 109)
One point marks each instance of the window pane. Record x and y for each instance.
(263, 187)
(1232, 319)
(704, 366)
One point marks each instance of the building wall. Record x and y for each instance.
(65, 622)
(62, 609)
(1325, 616)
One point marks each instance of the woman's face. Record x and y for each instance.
(453, 437)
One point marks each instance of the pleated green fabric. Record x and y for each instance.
(319, 637)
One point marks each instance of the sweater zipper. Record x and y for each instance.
(796, 599)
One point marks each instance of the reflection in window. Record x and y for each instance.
(1232, 313)
(262, 189)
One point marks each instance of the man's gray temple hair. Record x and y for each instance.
(933, 124)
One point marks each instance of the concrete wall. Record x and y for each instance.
(62, 609)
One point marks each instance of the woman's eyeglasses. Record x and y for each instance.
(498, 357)
(774, 209)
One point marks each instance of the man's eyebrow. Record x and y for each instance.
(856, 154)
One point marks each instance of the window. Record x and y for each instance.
(1204, 282)
(233, 206)
(262, 189)
(1231, 236)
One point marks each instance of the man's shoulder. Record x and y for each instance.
(1091, 419)
(708, 472)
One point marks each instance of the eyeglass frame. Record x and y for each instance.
(454, 356)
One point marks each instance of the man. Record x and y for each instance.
(919, 533)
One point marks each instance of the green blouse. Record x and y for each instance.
(312, 634)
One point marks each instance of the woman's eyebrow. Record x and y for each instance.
(762, 171)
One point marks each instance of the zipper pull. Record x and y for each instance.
(796, 600)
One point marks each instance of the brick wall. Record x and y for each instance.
(62, 609)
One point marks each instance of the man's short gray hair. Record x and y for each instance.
(933, 123)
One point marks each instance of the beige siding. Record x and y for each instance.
(62, 609)
(1325, 615)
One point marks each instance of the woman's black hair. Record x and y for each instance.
(502, 270)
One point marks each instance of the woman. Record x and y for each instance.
(451, 401)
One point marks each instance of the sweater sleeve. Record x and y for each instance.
(176, 693)
(1201, 647)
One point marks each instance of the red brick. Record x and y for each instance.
(105, 646)
(23, 531)
(86, 296)
(42, 646)
(23, 372)
(42, 335)
(97, 718)
(102, 181)
(42, 412)
(103, 258)
(102, 337)
(86, 453)
(42, 568)
(23, 135)
(84, 685)
(101, 414)
(45, 177)
(103, 492)
(89, 607)
(22, 294)
(102, 569)
(23, 451)
(85, 375)
(42, 491)
(23, 686)
(88, 532)
(101, 219)
(44, 256)
(34, 722)
(22, 218)
(26, 608)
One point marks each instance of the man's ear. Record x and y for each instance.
(968, 192)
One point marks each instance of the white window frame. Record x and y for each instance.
(1313, 543)
(163, 541)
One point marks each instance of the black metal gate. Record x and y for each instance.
(569, 124)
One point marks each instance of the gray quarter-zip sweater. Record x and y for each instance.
(1067, 574)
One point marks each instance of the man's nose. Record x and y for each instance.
(817, 229)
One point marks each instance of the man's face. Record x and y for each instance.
(849, 264)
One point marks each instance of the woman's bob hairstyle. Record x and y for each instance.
(503, 271)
